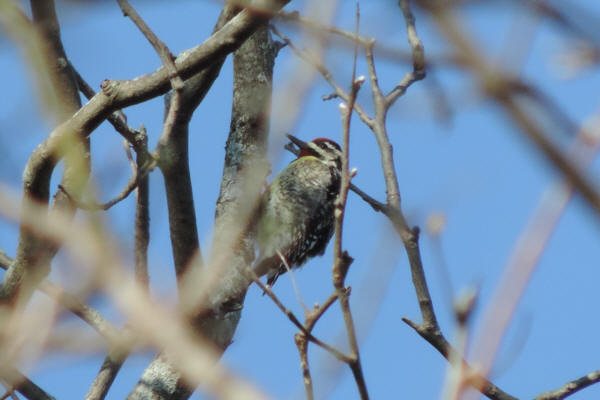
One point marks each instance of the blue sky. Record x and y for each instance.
(477, 169)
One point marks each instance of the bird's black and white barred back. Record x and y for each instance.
(296, 215)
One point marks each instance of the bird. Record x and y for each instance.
(296, 214)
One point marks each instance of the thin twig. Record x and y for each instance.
(325, 73)
(302, 344)
(301, 339)
(336, 353)
(9, 393)
(383, 51)
(571, 387)
(117, 119)
(118, 354)
(142, 219)
(429, 327)
(433, 335)
(16, 381)
(161, 49)
(136, 178)
(418, 55)
(293, 280)
(108, 371)
(312, 24)
(342, 260)
(314, 315)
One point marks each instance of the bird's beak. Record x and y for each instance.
(300, 143)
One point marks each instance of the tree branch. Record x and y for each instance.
(223, 296)
(114, 95)
(393, 209)
(117, 119)
(342, 260)
(118, 354)
(159, 46)
(16, 381)
(33, 253)
(570, 388)
(173, 155)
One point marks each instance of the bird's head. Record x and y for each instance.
(324, 149)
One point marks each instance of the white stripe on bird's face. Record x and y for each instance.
(326, 150)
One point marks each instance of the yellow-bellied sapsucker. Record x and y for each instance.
(296, 214)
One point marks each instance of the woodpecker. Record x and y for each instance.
(296, 212)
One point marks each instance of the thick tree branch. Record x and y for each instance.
(31, 264)
(222, 289)
(117, 119)
(114, 96)
(173, 155)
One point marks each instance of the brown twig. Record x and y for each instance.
(108, 372)
(433, 335)
(305, 335)
(311, 24)
(570, 387)
(418, 56)
(302, 344)
(16, 381)
(314, 315)
(383, 51)
(159, 46)
(342, 260)
(139, 174)
(118, 354)
(117, 119)
(324, 72)
(9, 393)
(179, 165)
(293, 280)
(429, 329)
(292, 317)
(142, 219)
